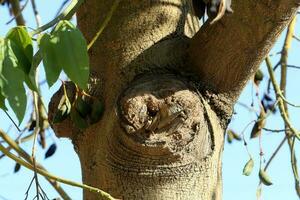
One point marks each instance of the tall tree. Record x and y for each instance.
(168, 90)
(166, 84)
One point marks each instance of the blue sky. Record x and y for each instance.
(65, 162)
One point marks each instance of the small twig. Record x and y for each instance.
(36, 13)
(274, 131)
(293, 66)
(275, 153)
(28, 158)
(17, 127)
(18, 14)
(104, 24)
(280, 101)
(296, 38)
(269, 81)
(62, 180)
(15, 5)
(286, 101)
(61, 7)
(249, 108)
(243, 136)
(280, 92)
(65, 15)
(28, 189)
(19, 141)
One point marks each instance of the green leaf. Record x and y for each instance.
(30, 78)
(2, 101)
(23, 47)
(248, 167)
(2, 52)
(13, 78)
(50, 53)
(72, 53)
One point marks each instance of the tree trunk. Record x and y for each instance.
(168, 98)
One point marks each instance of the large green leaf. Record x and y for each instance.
(30, 78)
(13, 78)
(72, 53)
(49, 50)
(24, 48)
(2, 51)
(2, 101)
(2, 47)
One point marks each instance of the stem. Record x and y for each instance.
(279, 99)
(104, 24)
(291, 133)
(29, 159)
(275, 153)
(36, 13)
(35, 133)
(42, 171)
(15, 5)
(65, 15)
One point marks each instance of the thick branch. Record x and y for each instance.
(226, 54)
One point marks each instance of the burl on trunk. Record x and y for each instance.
(168, 90)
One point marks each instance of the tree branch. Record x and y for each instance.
(12, 144)
(15, 5)
(226, 54)
(51, 178)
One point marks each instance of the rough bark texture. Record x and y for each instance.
(167, 97)
(227, 54)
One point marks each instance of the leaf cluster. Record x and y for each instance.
(65, 49)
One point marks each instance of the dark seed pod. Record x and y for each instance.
(51, 150)
(17, 168)
(267, 97)
(259, 125)
(32, 125)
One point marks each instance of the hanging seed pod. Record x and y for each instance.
(248, 167)
(51, 150)
(259, 76)
(267, 97)
(231, 135)
(264, 178)
(259, 125)
(32, 125)
(63, 110)
(258, 192)
(17, 168)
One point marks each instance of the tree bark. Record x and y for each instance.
(167, 97)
